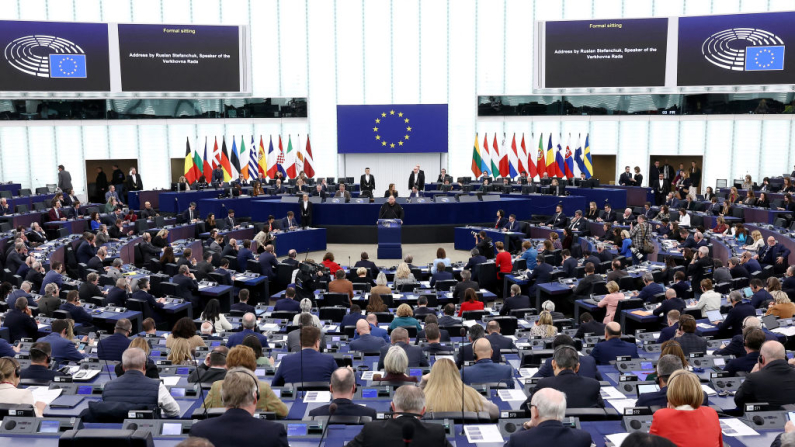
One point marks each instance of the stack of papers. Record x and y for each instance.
(483, 433)
(469, 323)
(610, 392)
(705, 326)
(789, 331)
(527, 372)
(318, 396)
(620, 404)
(44, 394)
(709, 391)
(511, 395)
(617, 438)
(368, 375)
(736, 427)
(170, 380)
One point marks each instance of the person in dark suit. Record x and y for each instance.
(148, 212)
(587, 363)
(319, 366)
(367, 181)
(578, 223)
(63, 349)
(90, 287)
(366, 341)
(248, 325)
(117, 295)
(204, 268)
(188, 287)
(665, 367)
(501, 220)
(650, 288)
(434, 337)
(671, 302)
(737, 269)
(111, 348)
(417, 178)
(368, 264)
(39, 368)
(243, 255)
(343, 387)
(36, 235)
(20, 322)
(540, 274)
(448, 318)
(190, 215)
(581, 392)
(515, 301)
(288, 303)
(775, 254)
(736, 345)
(243, 305)
(625, 179)
(212, 369)
(465, 283)
(230, 221)
(466, 353)
(237, 426)
(569, 265)
(22, 292)
(613, 346)
(77, 312)
(268, 263)
(306, 211)
(589, 326)
(660, 188)
(496, 339)
(133, 181)
(16, 257)
(422, 310)
(148, 251)
(687, 337)
(733, 324)
(156, 305)
(96, 263)
(585, 286)
(484, 370)
(547, 406)
(319, 191)
(400, 337)
(558, 220)
(753, 339)
(441, 274)
(772, 380)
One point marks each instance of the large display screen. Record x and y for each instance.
(606, 53)
(179, 58)
(54, 56)
(736, 49)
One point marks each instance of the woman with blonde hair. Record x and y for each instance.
(395, 364)
(183, 184)
(242, 358)
(443, 390)
(781, 306)
(556, 243)
(543, 326)
(687, 421)
(9, 383)
(720, 226)
(151, 368)
(758, 241)
(391, 191)
(380, 285)
(405, 317)
(376, 304)
(180, 352)
(306, 307)
(161, 239)
(403, 275)
(593, 211)
(611, 301)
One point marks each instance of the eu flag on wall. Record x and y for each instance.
(392, 128)
(764, 58)
(67, 65)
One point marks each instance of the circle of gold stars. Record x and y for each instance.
(758, 53)
(74, 66)
(400, 142)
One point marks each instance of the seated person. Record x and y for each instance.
(666, 366)
(396, 362)
(342, 388)
(319, 366)
(39, 368)
(485, 370)
(613, 346)
(136, 389)
(581, 392)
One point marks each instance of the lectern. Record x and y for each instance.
(389, 246)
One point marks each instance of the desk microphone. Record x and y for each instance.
(331, 410)
(408, 433)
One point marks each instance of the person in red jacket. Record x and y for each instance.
(686, 421)
(328, 261)
(503, 260)
(470, 302)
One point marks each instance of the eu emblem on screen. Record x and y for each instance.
(67, 65)
(766, 53)
(392, 128)
(764, 58)
(46, 57)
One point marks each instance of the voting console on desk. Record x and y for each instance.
(50, 426)
(389, 240)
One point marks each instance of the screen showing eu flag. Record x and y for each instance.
(392, 128)
(737, 49)
(54, 56)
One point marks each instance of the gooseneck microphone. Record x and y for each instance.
(331, 410)
(463, 333)
(408, 433)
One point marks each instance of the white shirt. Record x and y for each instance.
(221, 324)
(305, 204)
(684, 221)
(166, 402)
(709, 301)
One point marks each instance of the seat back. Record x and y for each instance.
(508, 324)
(335, 314)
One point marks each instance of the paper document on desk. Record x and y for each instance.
(469, 323)
(709, 391)
(617, 439)
(789, 331)
(44, 394)
(269, 327)
(170, 380)
(42, 326)
(610, 392)
(527, 372)
(620, 404)
(368, 375)
(318, 396)
(511, 395)
(483, 433)
(736, 427)
(705, 326)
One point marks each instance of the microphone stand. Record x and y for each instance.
(199, 378)
(463, 385)
(331, 410)
(301, 355)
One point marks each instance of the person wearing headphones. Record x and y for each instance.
(549, 306)
(63, 349)
(665, 367)
(238, 426)
(136, 389)
(9, 381)
(112, 348)
(39, 368)
(485, 370)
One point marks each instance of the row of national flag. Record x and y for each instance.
(249, 159)
(510, 161)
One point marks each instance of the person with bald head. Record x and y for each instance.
(343, 387)
(366, 341)
(547, 410)
(613, 346)
(485, 370)
(772, 379)
(672, 302)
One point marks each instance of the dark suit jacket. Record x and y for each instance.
(437, 348)
(587, 368)
(129, 184)
(569, 267)
(581, 392)
(370, 265)
(306, 214)
(669, 305)
(465, 354)
(591, 327)
(500, 341)
(441, 276)
(20, 325)
(414, 353)
(736, 347)
(742, 364)
(733, 324)
(78, 313)
(420, 183)
(692, 343)
(739, 271)
(365, 185)
(237, 427)
(558, 220)
(606, 351)
(367, 343)
(389, 433)
(187, 286)
(267, 265)
(345, 407)
(38, 372)
(515, 302)
(88, 290)
(461, 287)
(319, 368)
(245, 307)
(116, 297)
(204, 374)
(585, 286)
(111, 348)
(774, 384)
(550, 433)
(96, 264)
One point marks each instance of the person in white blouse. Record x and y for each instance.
(684, 218)
(212, 313)
(306, 307)
(710, 299)
(758, 242)
(9, 381)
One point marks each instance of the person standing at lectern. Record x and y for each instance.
(306, 212)
(391, 210)
(417, 178)
(367, 181)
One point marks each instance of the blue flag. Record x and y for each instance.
(765, 58)
(68, 66)
(392, 128)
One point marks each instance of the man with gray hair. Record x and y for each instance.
(582, 392)
(736, 346)
(772, 380)
(238, 426)
(408, 259)
(134, 388)
(515, 301)
(408, 405)
(741, 309)
(665, 367)
(343, 387)
(650, 289)
(249, 324)
(22, 292)
(114, 271)
(465, 283)
(96, 262)
(547, 410)
(50, 301)
(700, 268)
